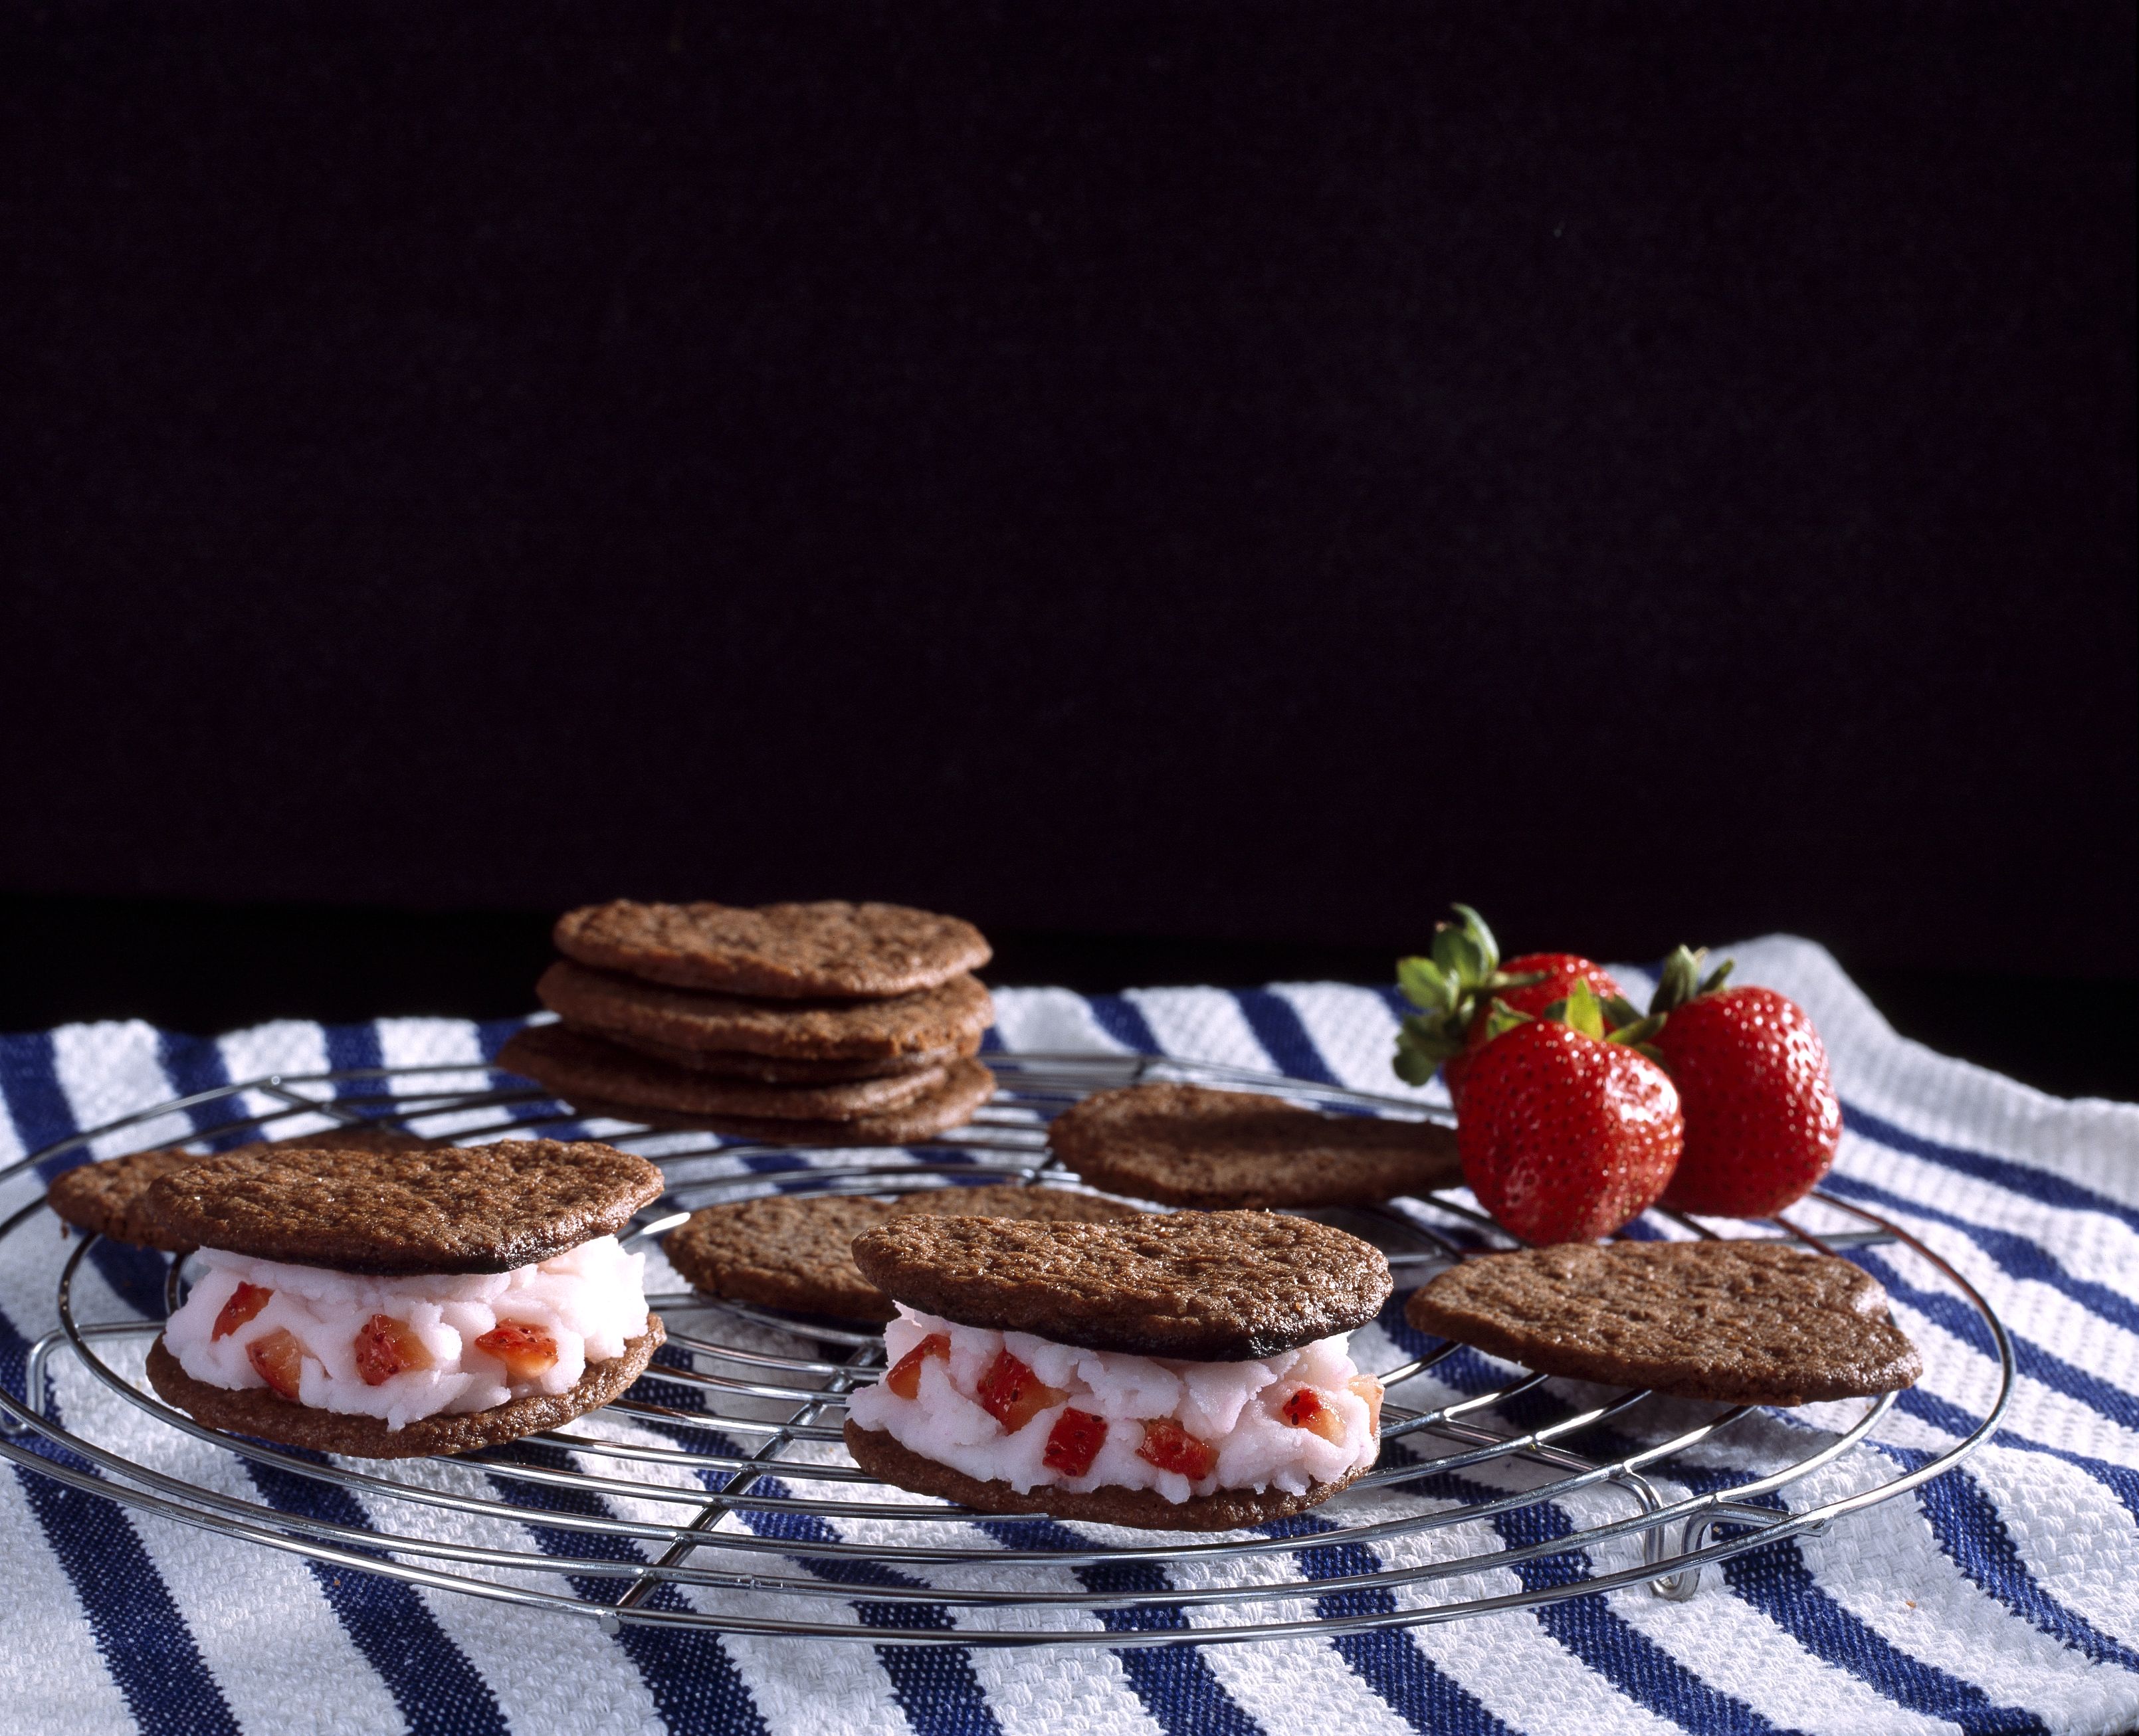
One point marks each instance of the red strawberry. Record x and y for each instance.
(1556, 973)
(1762, 1120)
(1564, 1137)
(1455, 989)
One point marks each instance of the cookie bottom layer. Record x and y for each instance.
(256, 1411)
(967, 1085)
(1146, 1510)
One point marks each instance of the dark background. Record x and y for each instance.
(1192, 487)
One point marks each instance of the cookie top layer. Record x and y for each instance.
(111, 1197)
(1739, 1323)
(786, 951)
(945, 1015)
(793, 1250)
(1211, 1286)
(486, 1208)
(1188, 1145)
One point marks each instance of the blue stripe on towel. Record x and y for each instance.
(2019, 1178)
(1177, 1686)
(1283, 1033)
(35, 1103)
(2017, 1257)
(1123, 1021)
(1947, 1310)
(144, 1642)
(1387, 1660)
(1969, 1528)
(431, 1680)
(688, 1673)
(1776, 1582)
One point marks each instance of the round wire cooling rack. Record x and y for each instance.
(716, 1494)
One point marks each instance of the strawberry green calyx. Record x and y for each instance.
(1462, 974)
(1612, 1019)
(1681, 980)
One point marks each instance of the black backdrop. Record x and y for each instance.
(1214, 471)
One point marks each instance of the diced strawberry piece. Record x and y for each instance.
(246, 1301)
(1172, 1448)
(1074, 1442)
(278, 1359)
(1013, 1395)
(525, 1351)
(905, 1377)
(1305, 1410)
(386, 1347)
(1369, 1389)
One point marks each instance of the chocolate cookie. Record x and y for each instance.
(486, 1208)
(111, 1197)
(783, 1251)
(736, 1063)
(598, 1078)
(1740, 1323)
(788, 951)
(1187, 1145)
(1228, 1509)
(625, 1075)
(792, 1250)
(1211, 1286)
(256, 1411)
(946, 1017)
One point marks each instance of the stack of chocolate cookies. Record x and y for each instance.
(826, 1023)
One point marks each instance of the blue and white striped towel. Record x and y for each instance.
(2003, 1597)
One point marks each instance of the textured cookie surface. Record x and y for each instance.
(1739, 1323)
(486, 1208)
(111, 1197)
(256, 1411)
(786, 951)
(1213, 1287)
(600, 1077)
(1187, 1145)
(947, 1016)
(887, 1459)
(783, 1251)
(794, 1250)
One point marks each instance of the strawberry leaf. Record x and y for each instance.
(1582, 1013)
(1639, 1033)
(1458, 953)
(1487, 945)
(1426, 985)
(1412, 1067)
(1680, 980)
(1502, 1018)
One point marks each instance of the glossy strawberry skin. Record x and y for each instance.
(1762, 1120)
(1564, 1138)
(1563, 970)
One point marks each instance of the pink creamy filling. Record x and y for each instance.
(1243, 1412)
(584, 1304)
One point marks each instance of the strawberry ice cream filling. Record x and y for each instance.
(403, 1348)
(1027, 1411)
